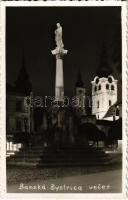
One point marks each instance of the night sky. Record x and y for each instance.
(31, 30)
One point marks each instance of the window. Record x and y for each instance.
(112, 87)
(25, 124)
(18, 125)
(98, 104)
(18, 106)
(110, 103)
(107, 86)
(99, 87)
(110, 80)
(117, 112)
(97, 80)
(95, 88)
(80, 91)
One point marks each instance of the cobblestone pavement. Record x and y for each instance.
(101, 182)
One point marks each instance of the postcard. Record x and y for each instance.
(63, 99)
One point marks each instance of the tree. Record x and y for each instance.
(90, 132)
(115, 132)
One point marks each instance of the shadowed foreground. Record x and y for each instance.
(110, 181)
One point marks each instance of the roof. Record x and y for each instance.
(104, 122)
(112, 108)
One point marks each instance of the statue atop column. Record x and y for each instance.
(59, 50)
(59, 53)
(58, 36)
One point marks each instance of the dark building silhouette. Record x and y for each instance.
(23, 84)
(104, 69)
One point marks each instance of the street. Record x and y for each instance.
(103, 182)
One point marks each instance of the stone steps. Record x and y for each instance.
(60, 156)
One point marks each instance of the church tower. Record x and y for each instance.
(80, 92)
(104, 88)
(23, 84)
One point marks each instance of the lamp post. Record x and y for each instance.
(30, 107)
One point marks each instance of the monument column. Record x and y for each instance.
(59, 52)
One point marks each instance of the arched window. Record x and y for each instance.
(110, 103)
(95, 88)
(97, 80)
(110, 80)
(107, 86)
(98, 104)
(112, 87)
(117, 112)
(99, 87)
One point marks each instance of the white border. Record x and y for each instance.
(4, 194)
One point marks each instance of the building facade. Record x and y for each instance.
(18, 114)
(104, 95)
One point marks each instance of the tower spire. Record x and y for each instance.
(104, 69)
(79, 82)
(22, 83)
